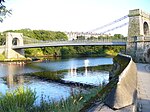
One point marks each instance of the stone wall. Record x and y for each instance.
(138, 48)
(137, 18)
(138, 40)
(124, 75)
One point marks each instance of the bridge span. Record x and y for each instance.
(137, 43)
(72, 43)
(15, 49)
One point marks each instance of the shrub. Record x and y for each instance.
(20, 100)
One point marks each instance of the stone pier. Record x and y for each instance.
(138, 41)
(14, 39)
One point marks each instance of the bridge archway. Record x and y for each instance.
(15, 41)
(11, 40)
(146, 28)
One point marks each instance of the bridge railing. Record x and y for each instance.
(78, 41)
(59, 42)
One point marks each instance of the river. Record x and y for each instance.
(12, 76)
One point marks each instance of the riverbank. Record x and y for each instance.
(16, 60)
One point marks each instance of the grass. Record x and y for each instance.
(22, 100)
(97, 68)
(49, 75)
(111, 53)
(72, 104)
(121, 62)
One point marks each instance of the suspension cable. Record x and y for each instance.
(118, 20)
(115, 28)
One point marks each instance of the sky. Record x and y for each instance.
(69, 15)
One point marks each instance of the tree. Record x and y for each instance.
(118, 36)
(81, 37)
(60, 36)
(3, 11)
(1, 1)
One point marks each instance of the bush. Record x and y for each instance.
(20, 100)
(72, 104)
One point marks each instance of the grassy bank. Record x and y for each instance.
(22, 100)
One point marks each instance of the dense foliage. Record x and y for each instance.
(66, 51)
(20, 100)
(3, 11)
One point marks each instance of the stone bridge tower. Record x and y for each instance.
(138, 45)
(14, 39)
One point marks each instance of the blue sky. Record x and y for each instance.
(69, 15)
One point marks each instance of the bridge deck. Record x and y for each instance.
(71, 43)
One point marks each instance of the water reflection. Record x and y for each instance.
(86, 71)
(12, 80)
(86, 76)
(53, 65)
(49, 90)
(72, 72)
(16, 69)
(73, 63)
(86, 63)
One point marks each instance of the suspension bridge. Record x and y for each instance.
(137, 42)
(137, 45)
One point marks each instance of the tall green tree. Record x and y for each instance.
(3, 11)
(118, 36)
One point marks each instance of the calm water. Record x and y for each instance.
(54, 65)
(87, 77)
(50, 91)
(10, 77)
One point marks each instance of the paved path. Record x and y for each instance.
(143, 87)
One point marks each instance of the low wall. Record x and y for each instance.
(123, 79)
